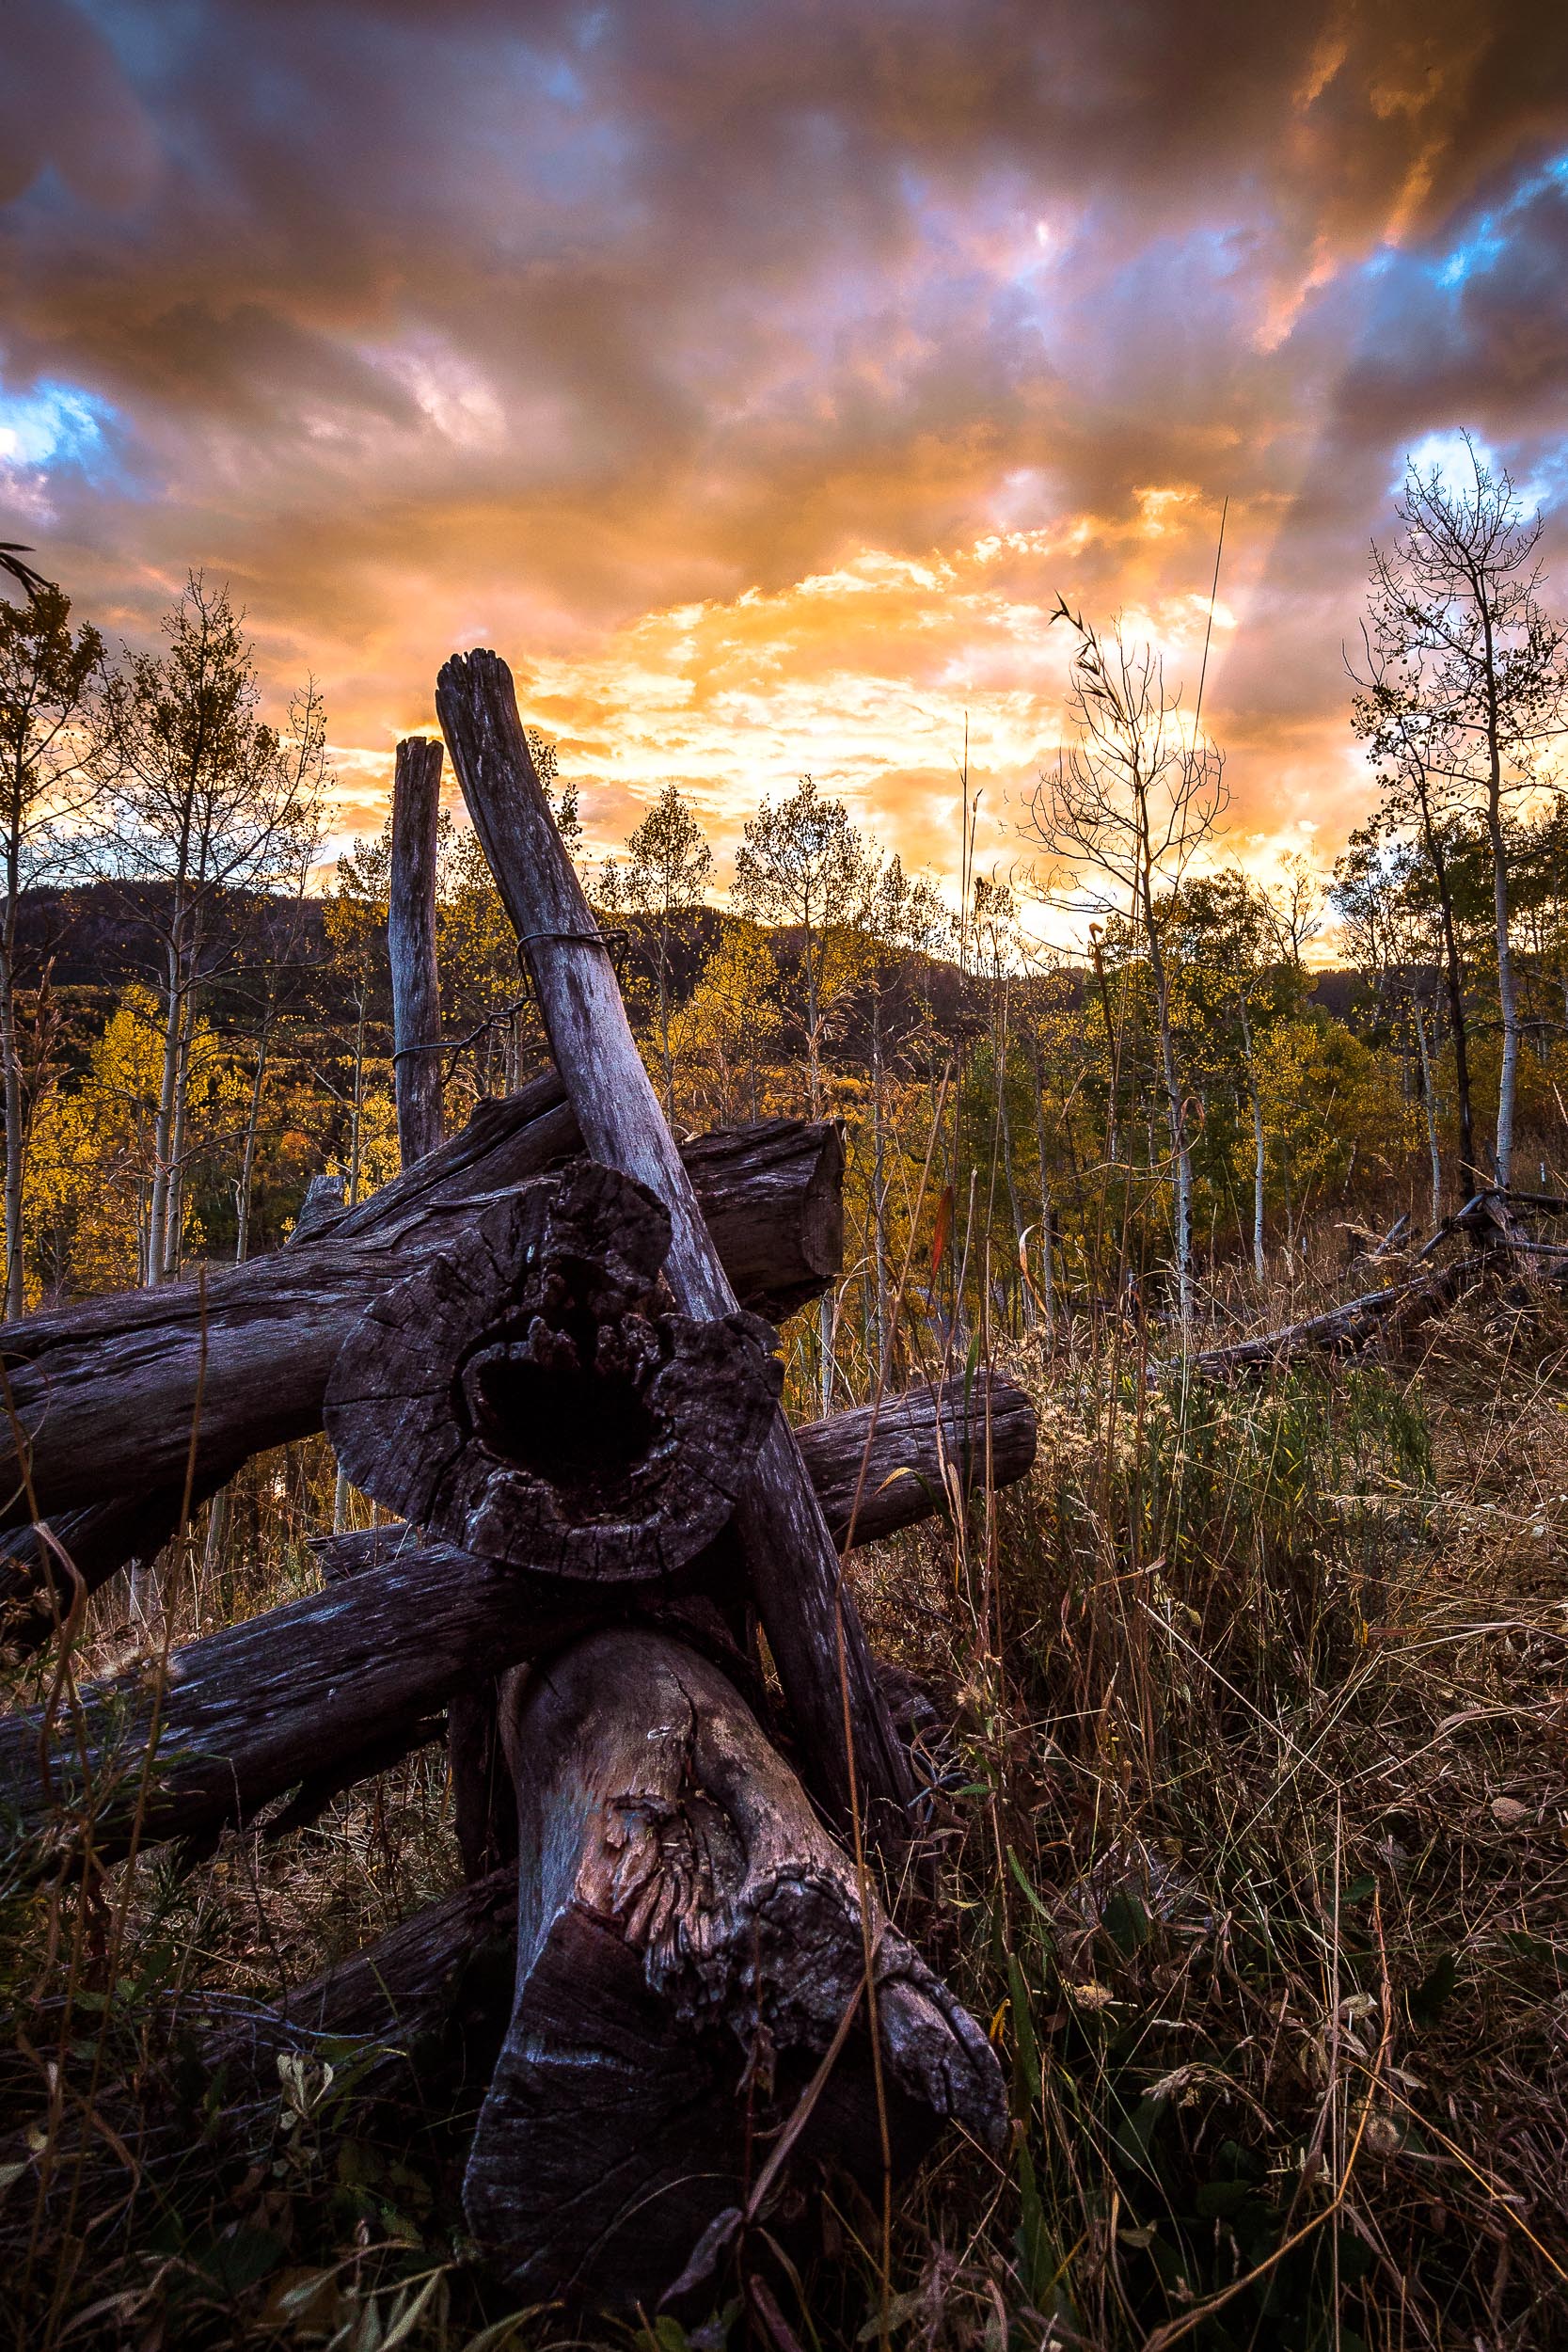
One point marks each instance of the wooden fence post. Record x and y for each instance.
(411, 946)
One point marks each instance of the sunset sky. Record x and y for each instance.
(756, 375)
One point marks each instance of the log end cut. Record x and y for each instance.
(690, 1943)
(535, 1399)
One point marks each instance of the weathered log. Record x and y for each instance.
(255, 1709)
(411, 947)
(1490, 1224)
(532, 1398)
(813, 1628)
(430, 1999)
(428, 2002)
(690, 1944)
(315, 1695)
(884, 1466)
(1348, 1329)
(107, 1393)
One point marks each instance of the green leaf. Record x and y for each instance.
(1126, 1922)
(237, 2262)
(1026, 2056)
(900, 2308)
(1021, 1875)
(1526, 1947)
(1220, 2198)
(1435, 1990)
(1359, 1890)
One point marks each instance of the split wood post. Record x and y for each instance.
(813, 1627)
(411, 946)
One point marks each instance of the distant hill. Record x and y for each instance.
(98, 938)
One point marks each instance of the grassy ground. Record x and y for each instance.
(1252, 1849)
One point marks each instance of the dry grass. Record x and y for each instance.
(1251, 1837)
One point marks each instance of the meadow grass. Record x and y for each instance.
(1247, 1837)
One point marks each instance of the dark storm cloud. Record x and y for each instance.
(422, 320)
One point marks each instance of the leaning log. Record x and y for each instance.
(120, 1399)
(317, 1694)
(690, 1943)
(1491, 1225)
(534, 1398)
(813, 1629)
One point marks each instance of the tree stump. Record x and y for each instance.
(690, 1941)
(535, 1399)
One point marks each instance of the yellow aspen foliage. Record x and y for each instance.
(719, 1037)
(1326, 1096)
(90, 1164)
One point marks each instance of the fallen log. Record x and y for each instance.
(531, 1397)
(428, 2000)
(108, 1394)
(1348, 1329)
(323, 1691)
(1489, 1224)
(813, 1629)
(690, 1944)
(884, 1466)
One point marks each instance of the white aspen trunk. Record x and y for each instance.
(1508, 1077)
(878, 1192)
(825, 1305)
(1026, 1303)
(1260, 1156)
(162, 1131)
(1048, 1272)
(247, 1158)
(1260, 1170)
(1430, 1103)
(341, 1487)
(1180, 1156)
(174, 1197)
(16, 1289)
(664, 1024)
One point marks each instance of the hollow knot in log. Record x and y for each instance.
(536, 1399)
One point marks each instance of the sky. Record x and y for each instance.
(755, 375)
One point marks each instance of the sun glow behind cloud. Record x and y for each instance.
(757, 382)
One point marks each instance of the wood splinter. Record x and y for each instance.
(689, 1943)
(536, 1399)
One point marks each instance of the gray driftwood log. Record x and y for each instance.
(690, 1943)
(532, 1396)
(813, 1629)
(320, 1692)
(109, 1393)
